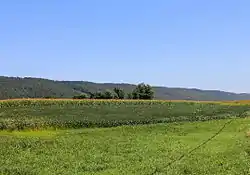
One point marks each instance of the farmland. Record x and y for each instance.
(41, 114)
(144, 149)
(123, 137)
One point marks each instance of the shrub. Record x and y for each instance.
(82, 96)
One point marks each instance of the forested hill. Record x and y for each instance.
(13, 87)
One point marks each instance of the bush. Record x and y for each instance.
(82, 96)
(102, 95)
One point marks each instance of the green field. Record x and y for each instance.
(41, 114)
(61, 137)
(145, 149)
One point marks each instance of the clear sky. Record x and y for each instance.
(177, 43)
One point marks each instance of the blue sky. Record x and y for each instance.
(176, 43)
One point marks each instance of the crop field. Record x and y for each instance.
(105, 137)
(144, 149)
(41, 114)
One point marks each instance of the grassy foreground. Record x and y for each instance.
(145, 149)
(41, 114)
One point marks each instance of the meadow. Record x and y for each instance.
(86, 137)
(142, 149)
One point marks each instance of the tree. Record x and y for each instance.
(82, 96)
(129, 95)
(91, 95)
(119, 93)
(143, 91)
(99, 95)
(102, 95)
(108, 94)
(135, 94)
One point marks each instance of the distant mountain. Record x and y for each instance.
(15, 87)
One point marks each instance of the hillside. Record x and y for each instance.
(14, 87)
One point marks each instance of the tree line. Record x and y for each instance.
(141, 91)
